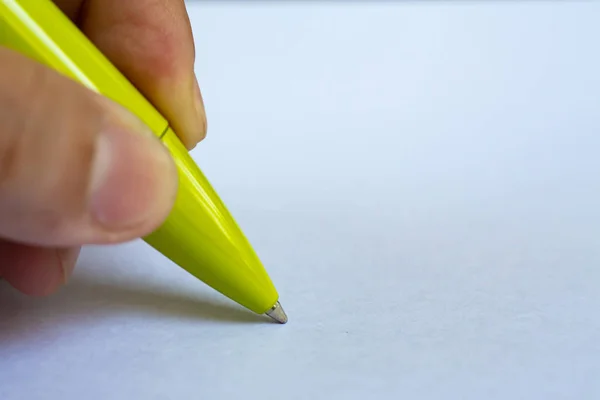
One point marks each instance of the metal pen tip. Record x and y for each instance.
(277, 313)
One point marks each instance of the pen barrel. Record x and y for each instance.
(199, 235)
(39, 30)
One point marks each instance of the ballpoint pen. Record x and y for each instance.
(199, 235)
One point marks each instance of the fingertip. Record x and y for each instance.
(33, 271)
(191, 124)
(136, 188)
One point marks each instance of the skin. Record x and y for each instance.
(100, 176)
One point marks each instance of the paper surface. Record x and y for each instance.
(421, 182)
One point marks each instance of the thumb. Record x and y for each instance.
(75, 168)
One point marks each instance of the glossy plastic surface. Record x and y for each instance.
(199, 235)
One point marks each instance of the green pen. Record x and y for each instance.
(199, 235)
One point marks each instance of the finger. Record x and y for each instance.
(151, 42)
(75, 168)
(158, 58)
(36, 271)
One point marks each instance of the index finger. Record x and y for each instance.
(151, 42)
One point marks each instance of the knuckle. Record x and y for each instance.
(159, 49)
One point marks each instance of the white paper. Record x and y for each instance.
(421, 181)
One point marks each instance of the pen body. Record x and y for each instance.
(199, 235)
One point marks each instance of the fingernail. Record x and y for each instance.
(200, 110)
(195, 125)
(133, 179)
(67, 259)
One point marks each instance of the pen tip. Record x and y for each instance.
(278, 314)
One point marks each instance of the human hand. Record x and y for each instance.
(76, 168)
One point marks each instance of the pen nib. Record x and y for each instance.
(278, 314)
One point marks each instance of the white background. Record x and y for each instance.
(421, 181)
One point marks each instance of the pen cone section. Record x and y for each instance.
(202, 237)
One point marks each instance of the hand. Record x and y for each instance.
(75, 168)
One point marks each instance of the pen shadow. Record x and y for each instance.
(89, 298)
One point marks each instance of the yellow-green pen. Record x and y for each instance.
(199, 235)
